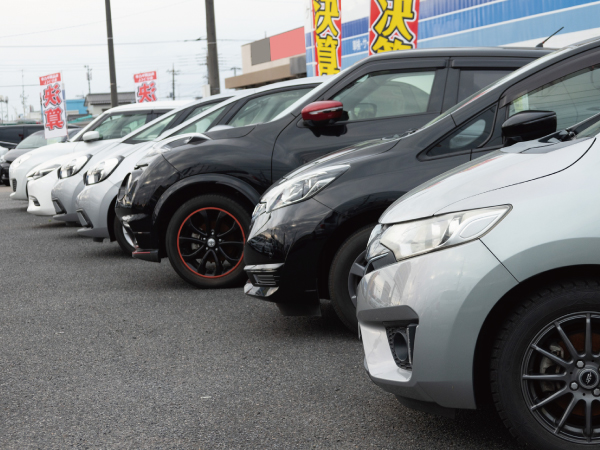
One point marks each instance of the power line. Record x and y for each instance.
(122, 43)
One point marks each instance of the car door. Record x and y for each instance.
(384, 98)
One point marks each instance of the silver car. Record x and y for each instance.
(486, 280)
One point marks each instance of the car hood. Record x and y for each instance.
(513, 165)
(13, 154)
(349, 155)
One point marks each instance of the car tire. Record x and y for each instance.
(548, 320)
(349, 252)
(125, 242)
(205, 241)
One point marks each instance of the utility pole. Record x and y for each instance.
(89, 78)
(114, 101)
(211, 43)
(235, 69)
(23, 96)
(173, 72)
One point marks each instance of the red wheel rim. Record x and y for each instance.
(210, 242)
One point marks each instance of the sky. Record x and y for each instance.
(40, 37)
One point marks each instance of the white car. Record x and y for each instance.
(95, 203)
(54, 191)
(100, 133)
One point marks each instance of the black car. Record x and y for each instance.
(194, 204)
(31, 142)
(12, 135)
(309, 232)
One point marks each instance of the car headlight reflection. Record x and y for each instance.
(409, 239)
(73, 166)
(301, 187)
(102, 170)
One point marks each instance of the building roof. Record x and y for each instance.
(104, 99)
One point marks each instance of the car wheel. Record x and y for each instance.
(346, 272)
(545, 368)
(124, 238)
(205, 241)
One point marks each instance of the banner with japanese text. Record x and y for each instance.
(54, 111)
(327, 35)
(145, 87)
(393, 25)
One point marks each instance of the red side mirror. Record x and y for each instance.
(324, 111)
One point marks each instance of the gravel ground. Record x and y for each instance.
(101, 351)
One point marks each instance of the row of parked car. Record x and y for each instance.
(441, 199)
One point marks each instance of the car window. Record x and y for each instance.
(467, 137)
(574, 97)
(199, 109)
(152, 131)
(12, 134)
(471, 81)
(263, 109)
(387, 94)
(37, 140)
(119, 125)
(203, 124)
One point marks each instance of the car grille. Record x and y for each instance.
(58, 207)
(84, 219)
(14, 185)
(265, 279)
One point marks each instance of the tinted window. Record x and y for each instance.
(574, 97)
(199, 109)
(12, 134)
(118, 125)
(263, 109)
(37, 140)
(469, 136)
(472, 81)
(387, 94)
(202, 124)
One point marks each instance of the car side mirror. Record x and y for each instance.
(91, 136)
(323, 113)
(528, 125)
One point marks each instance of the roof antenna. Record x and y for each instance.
(541, 44)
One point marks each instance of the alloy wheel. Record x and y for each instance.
(560, 378)
(357, 272)
(210, 242)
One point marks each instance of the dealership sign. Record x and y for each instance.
(393, 25)
(54, 112)
(327, 35)
(145, 87)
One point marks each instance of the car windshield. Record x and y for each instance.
(37, 140)
(302, 100)
(118, 124)
(502, 81)
(591, 131)
(153, 131)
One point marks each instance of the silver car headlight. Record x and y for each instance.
(73, 166)
(102, 170)
(20, 160)
(409, 239)
(301, 187)
(42, 172)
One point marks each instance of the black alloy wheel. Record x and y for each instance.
(347, 270)
(205, 241)
(546, 368)
(124, 237)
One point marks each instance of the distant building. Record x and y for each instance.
(277, 58)
(76, 108)
(98, 103)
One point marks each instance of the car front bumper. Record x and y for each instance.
(447, 295)
(4, 170)
(93, 206)
(18, 181)
(64, 196)
(282, 254)
(38, 191)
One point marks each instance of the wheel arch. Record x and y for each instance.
(500, 312)
(188, 188)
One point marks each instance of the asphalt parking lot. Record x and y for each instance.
(102, 351)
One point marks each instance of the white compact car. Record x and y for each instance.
(43, 178)
(95, 203)
(102, 132)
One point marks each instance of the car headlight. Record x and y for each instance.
(301, 187)
(102, 170)
(73, 166)
(20, 160)
(409, 239)
(39, 173)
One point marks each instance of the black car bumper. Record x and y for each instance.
(4, 168)
(282, 256)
